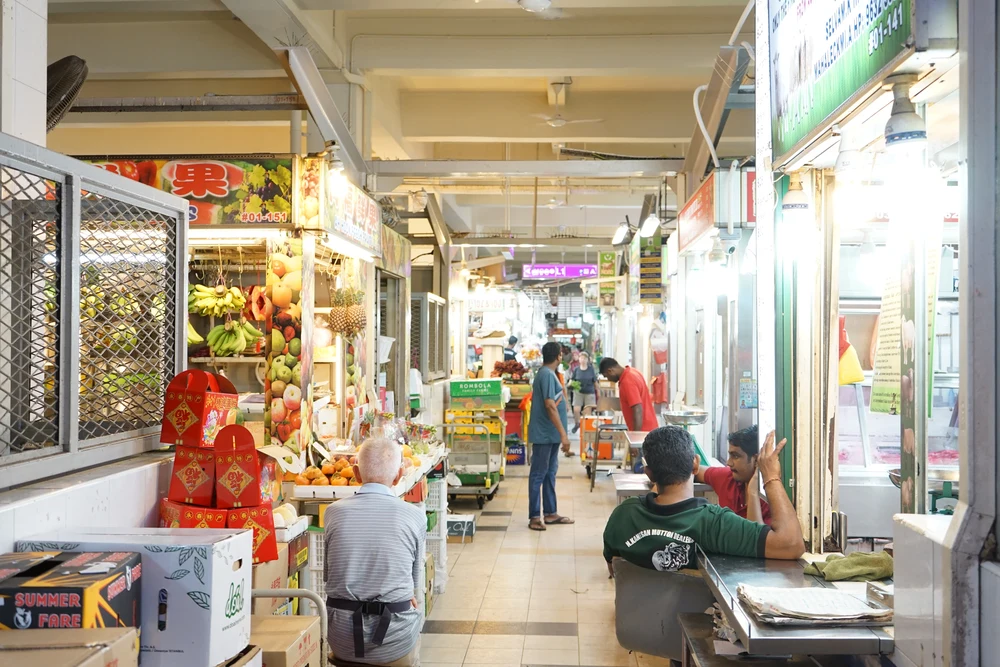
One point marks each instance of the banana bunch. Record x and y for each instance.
(193, 336)
(231, 338)
(216, 301)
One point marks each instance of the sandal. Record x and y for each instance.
(536, 524)
(559, 519)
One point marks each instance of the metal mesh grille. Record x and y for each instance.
(29, 312)
(416, 317)
(127, 280)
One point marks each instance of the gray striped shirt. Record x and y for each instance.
(375, 546)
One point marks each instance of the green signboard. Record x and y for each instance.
(475, 388)
(822, 53)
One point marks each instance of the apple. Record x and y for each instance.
(292, 397)
(278, 411)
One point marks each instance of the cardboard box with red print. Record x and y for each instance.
(179, 515)
(237, 469)
(192, 480)
(72, 590)
(197, 407)
(261, 521)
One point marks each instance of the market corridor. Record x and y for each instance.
(517, 597)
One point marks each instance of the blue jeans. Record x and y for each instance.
(544, 464)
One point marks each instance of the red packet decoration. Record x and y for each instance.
(179, 515)
(196, 408)
(261, 521)
(193, 478)
(237, 468)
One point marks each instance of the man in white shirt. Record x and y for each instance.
(375, 545)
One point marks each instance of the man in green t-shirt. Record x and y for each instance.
(659, 531)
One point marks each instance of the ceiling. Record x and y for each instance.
(456, 79)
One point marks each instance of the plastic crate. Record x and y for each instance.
(479, 478)
(438, 548)
(317, 549)
(435, 489)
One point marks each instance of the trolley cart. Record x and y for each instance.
(618, 455)
(472, 452)
(318, 602)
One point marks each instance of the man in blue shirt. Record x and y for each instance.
(546, 432)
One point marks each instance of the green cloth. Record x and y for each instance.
(663, 537)
(857, 566)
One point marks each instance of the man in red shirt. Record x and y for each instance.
(737, 485)
(637, 405)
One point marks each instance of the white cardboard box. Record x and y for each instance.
(195, 588)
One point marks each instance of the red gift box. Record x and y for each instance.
(198, 405)
(237, 468)
(179, 515)
(193, 478)
(261, 521)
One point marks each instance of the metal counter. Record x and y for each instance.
(724, 573)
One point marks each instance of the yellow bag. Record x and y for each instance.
(850, 371)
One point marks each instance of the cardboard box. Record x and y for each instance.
(195, 586)
(192, 480)
(237, 469)
(261, 521)
(179, 515)
(270, 576)
(99, 647)
(11, 564)
(461, 527)
(288, 641)
(418, 493)
(251, 656)
(298, 553)
(72, 590)
(290, 532)
(197, 406)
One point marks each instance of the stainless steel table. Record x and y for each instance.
(724, 573)
(629, 484)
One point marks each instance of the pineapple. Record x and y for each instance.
(338, 313)
(357, 320)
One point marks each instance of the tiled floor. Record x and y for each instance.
(517, 597)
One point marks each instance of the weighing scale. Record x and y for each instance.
(688, 418)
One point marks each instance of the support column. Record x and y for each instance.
(23, 60)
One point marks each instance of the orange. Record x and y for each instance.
(321, 481)
(338, 481)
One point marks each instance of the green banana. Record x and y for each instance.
(251, 331)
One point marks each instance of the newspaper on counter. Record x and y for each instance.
(811, 606)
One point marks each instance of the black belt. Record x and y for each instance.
(368, 608)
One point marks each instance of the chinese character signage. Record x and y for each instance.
(219, 191)
(551, 271)
(352, 214)
(823, 54)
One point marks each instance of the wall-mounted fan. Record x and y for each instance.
(65, 78)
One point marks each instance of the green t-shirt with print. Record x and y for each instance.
(662, 537)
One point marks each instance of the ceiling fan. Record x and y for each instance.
(541, 8)
(558, 120)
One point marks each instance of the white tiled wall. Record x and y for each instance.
(121, 494)
(26, 25)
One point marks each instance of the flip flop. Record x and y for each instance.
(560, 519)
(535, 524)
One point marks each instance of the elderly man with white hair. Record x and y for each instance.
(375, 565)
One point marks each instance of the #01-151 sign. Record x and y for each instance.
(823, 53)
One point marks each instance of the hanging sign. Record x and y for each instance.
(504, 302)
(823, 54)
(219, 191)
(651, 269)
(608, 268)
(698, 215)
(352, 214)
(550, 271)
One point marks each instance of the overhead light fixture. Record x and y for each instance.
(717, 255)
(534, 6)
(464, 272)
(623, 235)
(904, 127)
(649, 225)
